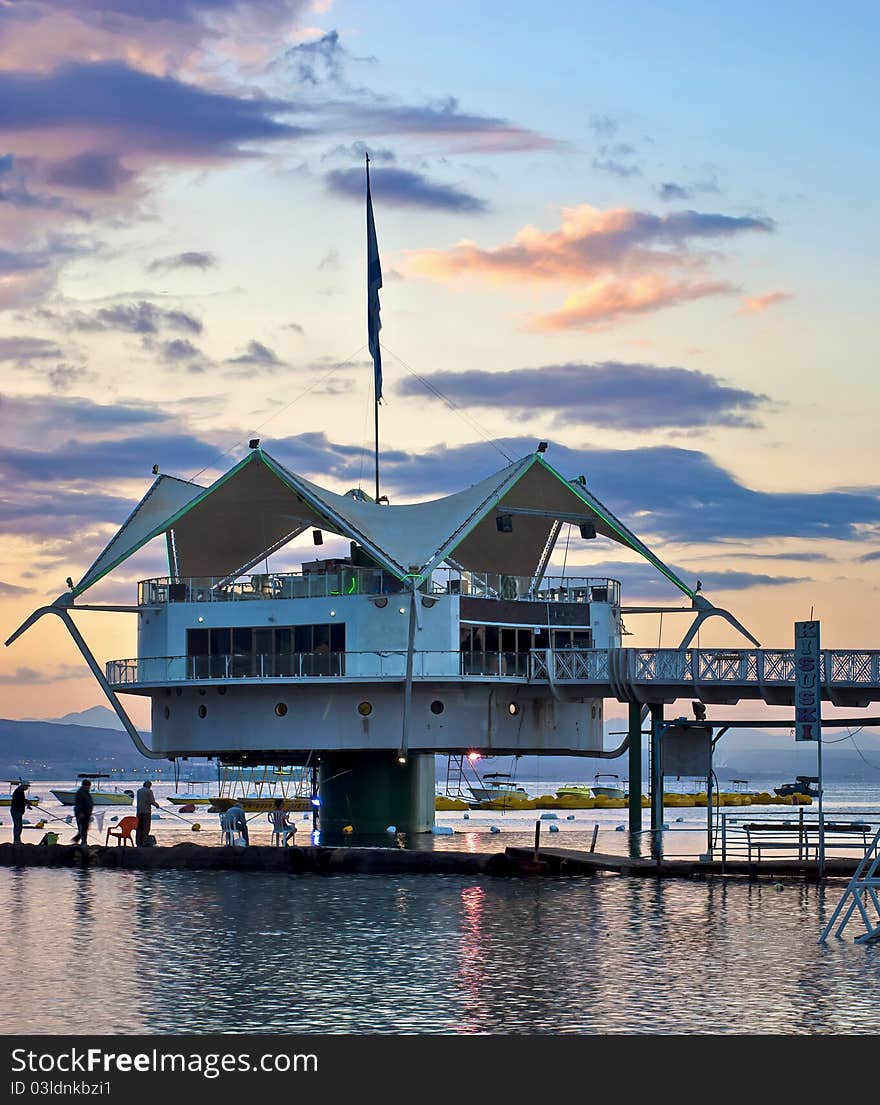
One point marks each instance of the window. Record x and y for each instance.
(243, 652)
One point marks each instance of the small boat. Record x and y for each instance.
(115, 797)
(6, 799)
(494, 786)
(261, 805)
(192, 800)
(803, 784)
(574, 790)
(607, 786)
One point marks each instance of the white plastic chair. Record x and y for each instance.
(229, 827)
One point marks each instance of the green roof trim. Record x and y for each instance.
(627, 537)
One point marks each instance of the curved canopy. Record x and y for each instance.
(259, 505)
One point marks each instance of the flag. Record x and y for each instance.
(374, 283)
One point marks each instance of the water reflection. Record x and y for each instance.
(175, 951)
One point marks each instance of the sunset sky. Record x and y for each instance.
(645, 233)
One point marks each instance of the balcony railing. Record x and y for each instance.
(313, 665)
(624, 673)
(351, 580)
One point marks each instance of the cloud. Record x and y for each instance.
(63, 376)
(141, 317)
(671, 191)
(134, 112)
(402, 188)
(258, 355)
(11, 589)
(191, 259)
(181, 349)
(640, 580)
(295, 326)
(357, 151)
(869, 557)
(610, 393)
(91, 171)
(617, 259)
(615, 158)
(609, 301)
(28, 349)
(757, 304)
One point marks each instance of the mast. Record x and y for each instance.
(374, 324)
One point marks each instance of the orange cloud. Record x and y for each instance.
(757, 304)
(616, 259)
(609, 301)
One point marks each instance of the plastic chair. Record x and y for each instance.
(230, 828)
(123, 832)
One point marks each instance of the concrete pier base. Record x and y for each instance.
(372, 790)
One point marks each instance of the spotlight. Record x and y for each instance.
(69, 582)
(401, 759)
(699, 586)
(254, 443)
(542, 446)
(383, 499)
(473, 757)
(699, 709)
(317, 537)
(504, 522)
(155, 469)
(587, 529)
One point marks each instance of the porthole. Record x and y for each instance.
(381, 602)
(437, 706)
(167, 712)
(365, 708)
(513, 708)
(280, 709)
(203, 711)
(428, 602)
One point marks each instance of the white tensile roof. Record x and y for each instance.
(259, 505)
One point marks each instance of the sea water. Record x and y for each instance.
(97, 951)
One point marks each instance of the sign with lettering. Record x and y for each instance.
(807, 682)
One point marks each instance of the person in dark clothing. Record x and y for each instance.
(17, 807)
(144, 802)
(82, 811)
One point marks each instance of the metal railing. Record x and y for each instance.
(748, 835)
(314, 665)
(352, 580)
(610, 671)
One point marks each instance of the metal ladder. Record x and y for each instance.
(863, 885)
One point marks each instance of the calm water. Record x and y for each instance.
(154, 952)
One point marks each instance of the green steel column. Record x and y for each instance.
(635, 767)
(371, 790)
(656, 780)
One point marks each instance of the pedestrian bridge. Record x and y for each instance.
(850, 677)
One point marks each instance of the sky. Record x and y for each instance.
(643, 233)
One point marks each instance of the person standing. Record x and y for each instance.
(17, 807)
(144, 802)
(82, 810)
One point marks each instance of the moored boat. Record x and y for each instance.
(494, 785)
(115, 797)
(261, 805)
(803, 784)
(607, 786)
(574, 790)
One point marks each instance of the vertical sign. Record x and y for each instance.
(807, 682)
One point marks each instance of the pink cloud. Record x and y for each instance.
(614, 260)
(757, 304)
(608, 301)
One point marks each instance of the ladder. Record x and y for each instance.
(862, 888)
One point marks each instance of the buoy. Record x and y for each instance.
(570, 817)
(465, 817)
(188, 808)
(442, 830)
(777, 886)
(157, 816)
(494, 829)
(549, 817)
(665, 826)
(620, 828)
(554, 828)
(391, 829)
(40, 825)
(196, 828)
(305, 817)
(69, 819)
(678, 819)
(348, 829)
(113, 819)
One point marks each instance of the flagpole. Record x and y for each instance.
(374, 283)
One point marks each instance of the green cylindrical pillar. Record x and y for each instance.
(372, 790)
(635, 767)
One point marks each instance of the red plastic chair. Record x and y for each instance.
(123, 832)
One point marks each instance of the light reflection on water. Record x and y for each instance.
(174, 951)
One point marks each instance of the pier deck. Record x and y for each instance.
(388, 861)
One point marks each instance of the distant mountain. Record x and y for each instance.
(50, 750)
(95, 717)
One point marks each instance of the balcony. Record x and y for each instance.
(351, 580)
